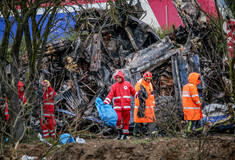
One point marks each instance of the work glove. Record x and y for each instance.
(105, 102)
(137, 95)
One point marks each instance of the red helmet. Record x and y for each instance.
(148, 75)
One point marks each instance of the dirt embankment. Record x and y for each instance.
(215, 147)
(174, 149)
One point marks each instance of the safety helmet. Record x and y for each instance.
(148, 75)
(46, 83)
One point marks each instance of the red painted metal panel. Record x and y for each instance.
(165, 16)
(208, 6)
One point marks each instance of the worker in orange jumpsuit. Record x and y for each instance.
(191, 103)
(121, 92)
(48, 119)
(144, 115)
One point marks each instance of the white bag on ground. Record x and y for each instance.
(80, 140)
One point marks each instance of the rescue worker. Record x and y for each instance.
(144, 121)
(48, 120)
(6, 111)
(230, 30)
(22, 97)
(4, 104)
(191, 103)
(121, 92)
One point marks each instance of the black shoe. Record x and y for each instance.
(124, 136)
(119, 136)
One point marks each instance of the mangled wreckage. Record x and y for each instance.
(82, 70)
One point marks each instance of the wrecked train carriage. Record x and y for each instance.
(160, 58)
(104, 47)
(218, 107)
(105, 51)
(170, 69)
(91, 59)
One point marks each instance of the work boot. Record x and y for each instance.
(124, 136)
(119, 136)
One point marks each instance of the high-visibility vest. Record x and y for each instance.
(149, 102)
(190, 99)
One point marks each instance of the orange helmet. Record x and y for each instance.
(46, 83)
(148, 75)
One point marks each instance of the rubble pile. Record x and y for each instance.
(203, 42)
(82, 70)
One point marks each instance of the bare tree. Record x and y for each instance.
(35, 33)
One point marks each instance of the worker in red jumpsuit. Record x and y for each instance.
(121, 92)
(4, 104)
(230, 27)
(22, 97)
(48, 119)
(6, 111)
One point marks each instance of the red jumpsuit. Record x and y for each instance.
(48, 112)
(230, 27)
(6, 111)
(121, 94)
(22, 97)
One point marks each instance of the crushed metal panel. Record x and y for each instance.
(131, 37)
(144, 27)
(141, 36)
(95, 51)
(187, 64)
(57, 47)
(91, 103)
(75, 48)
(111, 45)
(218, 116)
(150, 56)
(216, 108)
(71, 100)
(176, 75)
(77, 87)
(161, 60)
(166, 82)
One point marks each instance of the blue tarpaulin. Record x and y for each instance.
(66, 138)
(106, 112)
